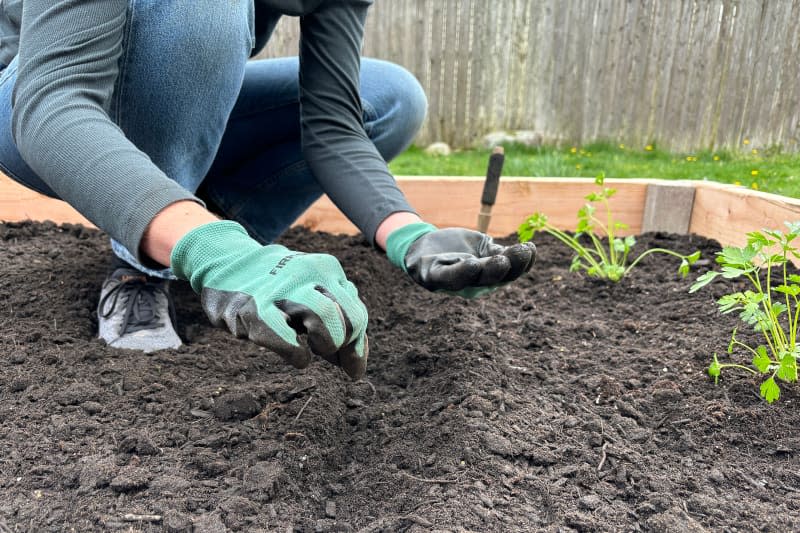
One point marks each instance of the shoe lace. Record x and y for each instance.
(139, 299)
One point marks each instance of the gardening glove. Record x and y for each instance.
(271, 295)
(456, 260)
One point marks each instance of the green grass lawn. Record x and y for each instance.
(766, 170)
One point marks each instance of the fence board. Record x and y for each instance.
(688, 74)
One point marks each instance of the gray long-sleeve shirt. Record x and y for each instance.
(68, 62)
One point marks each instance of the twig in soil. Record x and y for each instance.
(752, 481)
(303, 408)
(4, 528)
(371, 386)
(786, 487)
(423, 480)
(602, 456)
(141, 518)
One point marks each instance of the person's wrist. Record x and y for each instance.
(391, 223)
(400, 240)
(169, 225)
(202, 247)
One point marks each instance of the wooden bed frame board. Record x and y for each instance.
(722, 212)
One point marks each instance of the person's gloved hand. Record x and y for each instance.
(271, 295)
(456, 260)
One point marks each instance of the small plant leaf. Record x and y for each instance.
(730, 302)
(792, 290)
(692, 258)
(794, 278)
(586, 211)
(714, 369)
(733, 341)
(737, 257)
(525, 233)
(608, 193)
(759, 239)
(683, 269)
(703, 280)
(594, 197)
(576, 264)
(584, 226)
(761, 360)
(788, 369)
(620, 245)
(599, 179)
(730, 272)
(614, 272)
(770, 390)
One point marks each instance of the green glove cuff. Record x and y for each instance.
(401, 239)
(206, 244)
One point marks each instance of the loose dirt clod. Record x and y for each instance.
(480, 415)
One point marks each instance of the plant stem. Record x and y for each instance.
(733, 365)
(651, 251)
(572, 243)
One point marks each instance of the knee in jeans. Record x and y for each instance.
(402, 107)
(411, 101)
(211, 31)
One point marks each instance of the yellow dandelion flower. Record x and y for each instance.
(690, 158)
(746, 142)
(573, 150)
(754, 172)
(737, 183)
(754, 186)
(716, 158)
(578, 166)
(649, 148)
(754, 150)
(621, 146)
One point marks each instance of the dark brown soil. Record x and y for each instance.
(556, 404)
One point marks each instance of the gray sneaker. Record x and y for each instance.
(135, 312)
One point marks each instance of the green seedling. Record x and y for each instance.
(771, 308)
(606, 261)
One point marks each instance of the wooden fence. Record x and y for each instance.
(686, 74)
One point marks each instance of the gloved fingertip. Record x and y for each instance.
(521, 257)
(352, 362)
(494, 270)
(299, 358)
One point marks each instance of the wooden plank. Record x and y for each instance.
(727, 213)
(722, 212)
(18, 203)
(668, 207)
(558, 198)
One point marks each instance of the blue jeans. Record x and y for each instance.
(223, 127)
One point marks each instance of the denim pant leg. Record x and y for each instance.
(260, 177)
(11, 162)
(181, 71)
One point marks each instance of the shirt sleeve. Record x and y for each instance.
(68, 65)
(340, 154)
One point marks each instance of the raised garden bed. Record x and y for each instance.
(557, 402)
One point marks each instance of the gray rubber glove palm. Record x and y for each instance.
(457, 260)
(272, 295)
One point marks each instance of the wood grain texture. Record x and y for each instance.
(668, 207)
(18, 203)
(688, 75)
(723, 212)
(727, 213)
